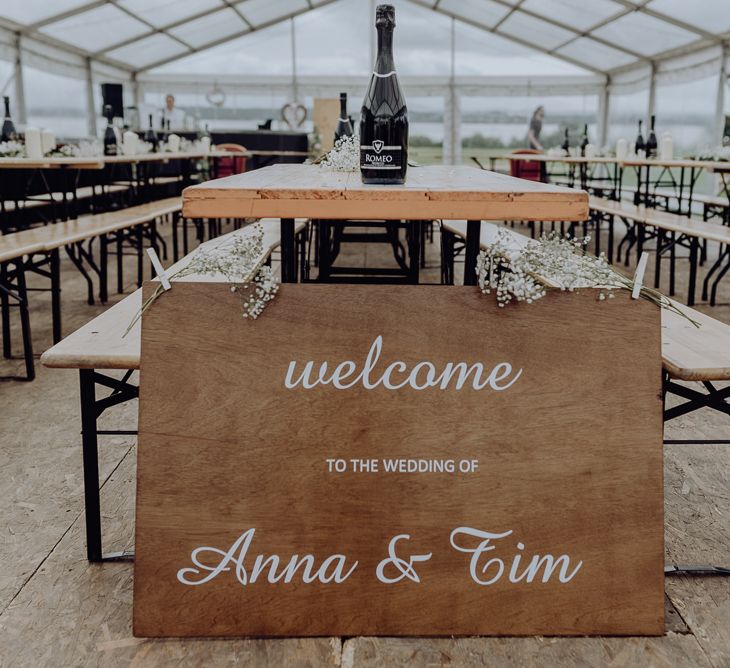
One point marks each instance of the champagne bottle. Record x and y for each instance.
(639, 147)
(651, 142)
(566, 142)
(8, 131)
(344, 128)
(584, 141)
(110, 137)
(151, 136)
(384, 116)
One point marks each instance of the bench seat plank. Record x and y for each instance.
(99, 343)
(671, 222)
(48, 237)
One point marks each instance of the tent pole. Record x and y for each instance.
(294, 85)
(20, 110)
(720, 102)
(90, 111)
(603, 103)
(452, 115)
(652, 97)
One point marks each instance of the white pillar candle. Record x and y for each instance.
(33, 146)
(205, 144)
(666, 147)
(48, 141)
(129, 143)
(622, 149)
(590, 151)
(173, 142)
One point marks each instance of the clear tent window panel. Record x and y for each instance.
(596, 54)
(624, 112)
(98, 29)
(578, 14)
(27, 12)
(162, 13)
(482, 12)
(710, 15)
(644, 34)
(55, 102)
(260, 12)
(534, 31)
(147, 51)
(211, 28)
(687, 111)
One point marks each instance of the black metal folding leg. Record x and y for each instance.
(13, 292)
(91, 409)
(716, 398)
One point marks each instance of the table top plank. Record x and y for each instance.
(433, 192)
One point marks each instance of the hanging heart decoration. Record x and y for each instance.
(216, 96)
(294, 114)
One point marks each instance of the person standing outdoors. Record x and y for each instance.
(533, 132)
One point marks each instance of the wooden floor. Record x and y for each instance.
(57, 610)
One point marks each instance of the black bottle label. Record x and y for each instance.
(379, 155)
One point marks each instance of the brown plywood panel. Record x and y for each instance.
(233, 462)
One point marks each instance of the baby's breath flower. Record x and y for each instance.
(560, 261)
(344, 157)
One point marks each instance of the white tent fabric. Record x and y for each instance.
(600, 36)
(453, 55)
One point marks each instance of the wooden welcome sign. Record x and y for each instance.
(399, 460)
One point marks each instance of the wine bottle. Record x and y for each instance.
(344, 128)
(639, 147)
(384, 115)
(151, 136)
(584, 141)
(110, 137)
(8, 131)
(651, 142)
(161, 136)
(566, 142)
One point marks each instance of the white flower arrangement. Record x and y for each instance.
(65, 151)
(717, 154)
(12, 149)
(239, 259)
(344, 156)
(556, 261)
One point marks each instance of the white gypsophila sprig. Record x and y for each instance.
(521, 273)
(238, 259)
(344, 157)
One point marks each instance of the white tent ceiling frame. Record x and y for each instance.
(165, 33)
(622, 45)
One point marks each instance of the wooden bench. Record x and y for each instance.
(100, 346)
(689, 353)
(37, 250)
(683, 231)
(18, 211)
(712, 205)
